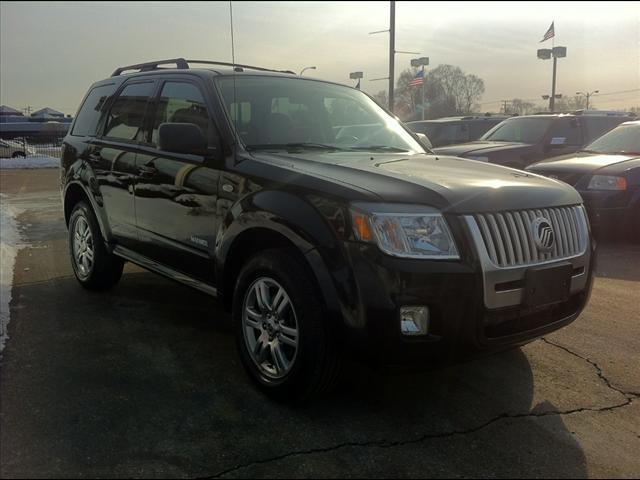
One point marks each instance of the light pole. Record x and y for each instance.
(417, 62)
(356, 76)
(392, 50)
(545, 54)
(588, 94)
(305, 69)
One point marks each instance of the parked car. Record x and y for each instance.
(452, 130)
(521, 141)
(231, 181)
(14, 149)
(607, 175)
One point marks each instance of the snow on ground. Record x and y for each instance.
(9, 246)
(40, 161)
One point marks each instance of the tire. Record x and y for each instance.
(93, 265)
(18, 155)
(297, 373)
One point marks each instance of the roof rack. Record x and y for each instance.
(181, 63)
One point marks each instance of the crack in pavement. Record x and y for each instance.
(594, 365)
(629, 398)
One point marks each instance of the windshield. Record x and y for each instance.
(623, 139)
(282, 112)
(523, 130)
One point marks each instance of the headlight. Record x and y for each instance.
(607, 182)
(478, 158)
(410, 235)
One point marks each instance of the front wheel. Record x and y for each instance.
(93, 265)
(283, 339)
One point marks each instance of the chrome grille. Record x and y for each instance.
(508, 236)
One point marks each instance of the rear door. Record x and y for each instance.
(177, 194)
(112, 156)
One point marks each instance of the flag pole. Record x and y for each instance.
(423, 92)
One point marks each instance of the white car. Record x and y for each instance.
(13, 149)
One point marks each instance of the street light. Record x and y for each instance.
(588, 94)
(546, 54)
(392, 49)
(417, 62)
(305, 69)
(356, 76)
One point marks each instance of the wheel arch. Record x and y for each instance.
(76, 192)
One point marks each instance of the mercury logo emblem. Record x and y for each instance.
(543, 234)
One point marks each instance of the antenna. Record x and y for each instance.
(236, 107)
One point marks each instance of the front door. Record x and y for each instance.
(176, 194)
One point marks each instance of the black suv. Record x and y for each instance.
(242, 183)
(521, 141)
(450, 130)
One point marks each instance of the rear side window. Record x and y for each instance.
(92, 109)
(566, 131)
(126, 117)
(596, 127)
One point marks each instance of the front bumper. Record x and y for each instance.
(465, 320)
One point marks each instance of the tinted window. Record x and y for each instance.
(596, 127)
(566, 131)
(91, 110)
(524, 129)
(477, 129)
(181, 102)
(126, 117)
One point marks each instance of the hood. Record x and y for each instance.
(481, 147)
(581, 162)
(448, 183)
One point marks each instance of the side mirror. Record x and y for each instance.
(182, 138)
(424, 141)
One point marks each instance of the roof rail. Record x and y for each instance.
(147, 66)
(181, 63)
(239, 65)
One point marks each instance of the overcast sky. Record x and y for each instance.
(50, 52)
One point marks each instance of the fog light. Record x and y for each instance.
(414, 320)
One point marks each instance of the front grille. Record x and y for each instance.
(508, 237)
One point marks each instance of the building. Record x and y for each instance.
(8, 111)
(45, 122)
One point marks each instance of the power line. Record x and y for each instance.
(537, 99)
(615, 93)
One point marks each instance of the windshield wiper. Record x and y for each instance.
(380, 148)
(293, 146)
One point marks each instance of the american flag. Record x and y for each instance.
(418, 79)
(550, 34)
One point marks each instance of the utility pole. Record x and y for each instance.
(588, 95)
(27, 110)
(392, 50)
(504, 108)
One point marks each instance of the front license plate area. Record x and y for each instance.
(548, 284)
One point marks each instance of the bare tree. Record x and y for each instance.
(448, 91)
(381, 98)
(577, 102)
(472, 88)
(521, 107)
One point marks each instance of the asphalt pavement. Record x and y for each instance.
(144, 381)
